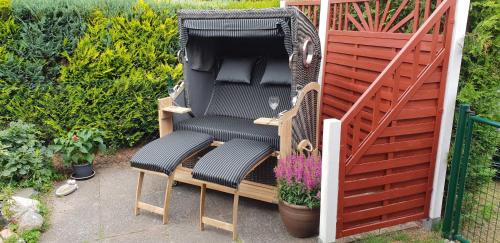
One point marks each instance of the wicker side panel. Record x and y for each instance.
(305, 124)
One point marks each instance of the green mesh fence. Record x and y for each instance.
(472, 210)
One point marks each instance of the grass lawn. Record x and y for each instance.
(416, 235)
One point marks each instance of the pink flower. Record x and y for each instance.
(300, 169)
(318, 195)
(75, 138)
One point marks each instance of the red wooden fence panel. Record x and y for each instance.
(384, 78)
(311, 8)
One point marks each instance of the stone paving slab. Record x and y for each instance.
(101, 210)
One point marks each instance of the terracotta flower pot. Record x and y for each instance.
(300, 221)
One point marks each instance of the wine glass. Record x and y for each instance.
(274, 101)
(172, 92)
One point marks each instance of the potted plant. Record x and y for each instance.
(299, 181)
(79, 149)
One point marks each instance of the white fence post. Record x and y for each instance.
(282, 3)
(329, 180)
(322, 31)
(457, 42)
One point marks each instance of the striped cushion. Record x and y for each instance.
(228, 164)
(225, 128)
(263, 27)
(164, 154)
(248, 101)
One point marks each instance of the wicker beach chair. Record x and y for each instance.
(233, 62)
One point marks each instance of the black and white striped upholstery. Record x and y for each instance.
(225, 128)
(234, 106)
(229, 163)
(237, 27)
(164, 154)
(292, 28)
(249, 101)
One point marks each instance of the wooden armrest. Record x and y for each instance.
(267, 121)
(177, 109)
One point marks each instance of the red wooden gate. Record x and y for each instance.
(384, 78)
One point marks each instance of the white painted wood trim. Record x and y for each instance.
(322, 31)
(455, 61)
(282, 3)
(329, 180)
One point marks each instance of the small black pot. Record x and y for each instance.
(83, 172)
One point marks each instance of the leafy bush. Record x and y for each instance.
(91, 63)
(24, 160)
(299, 180)
(117, 73)
(40, 42)
(80, 147)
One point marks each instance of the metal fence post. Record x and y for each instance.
(463, 173)
(455, 169)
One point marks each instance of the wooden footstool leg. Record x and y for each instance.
(217, 223)
(202, 205)
(235, 215)
(138, 192)
(168, 194)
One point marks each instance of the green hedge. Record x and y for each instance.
(91, 63)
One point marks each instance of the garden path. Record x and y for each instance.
(101, 210)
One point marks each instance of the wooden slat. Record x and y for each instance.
(400, 146)
(381, 180)
(354, 87)
(416, 113)
(177, 109)
(387, 209)
(408, 129)
(390, 164)
(150, 208)
(378, 41)
(267, 121)
(384, 195)
(382, 224)
(349, 73)
(247, 188)
(385, 55)
(217, 223)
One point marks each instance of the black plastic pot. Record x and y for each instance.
(83, 172)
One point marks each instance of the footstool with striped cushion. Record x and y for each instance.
(161, 157)
(227, 166)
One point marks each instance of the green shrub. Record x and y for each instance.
(116, 75)
(37, 42)
(24, 160)
(4, 9)
(91, 63)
